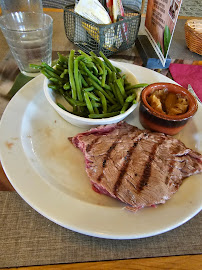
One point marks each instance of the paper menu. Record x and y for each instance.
(161, 18)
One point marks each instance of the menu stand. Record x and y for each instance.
(148, 55)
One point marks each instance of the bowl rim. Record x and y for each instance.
(93, 121)
(170, 86)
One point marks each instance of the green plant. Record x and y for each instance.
(167, 38)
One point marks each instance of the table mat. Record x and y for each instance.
(19, 82)
(188, 75)
(27, 238)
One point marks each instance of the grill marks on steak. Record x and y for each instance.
(138, 167)
(125, 165)
(113, 146)
(147, 170)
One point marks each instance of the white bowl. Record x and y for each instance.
(87, 122)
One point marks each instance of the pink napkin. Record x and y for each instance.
(188, 74)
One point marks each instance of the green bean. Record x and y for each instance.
(93, 54)
(102, 66)
(122, 81)
(90, 74)
(88, 103)
(80, 82)
(80, 57)
(75, 109)
(100, 71)
(45, 74)
(92, 96)
(92, 67)
(131, 98)
(118, 69)
(124, 77)
(83, 72)
(85, 54)
(93, 83)
(83, 81)
(125, 107)
(59, 68)
(46, 66)
(102, 91)
(52, 74)
(114, 76)
(94, 87)
(120, 86)
(127, 84)
(62, 107)
(64, 73)
(60, 63)
(81, 111)
(103, 115)
(109, 93)
(62, 58)
(106, 86)
(95, 70)
(114, 91)
(115, 107)
(77, 80)
(72, 101)
(103, 77)
(131, 91)
(53, 86)
(54, 80)
(95, 104)
(54, 62)
(109, 75)
(119, 95)
(78, 103)
(140, 85)
(65, 96)
(103, 101)
(87, 89)
(66, 86)
(96, 110)
(71, 74)
(108, 63)
(108, 96)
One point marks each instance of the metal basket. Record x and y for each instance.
(109, 39)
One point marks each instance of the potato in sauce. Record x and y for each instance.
(167, 102)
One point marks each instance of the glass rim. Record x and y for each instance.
(26, 31)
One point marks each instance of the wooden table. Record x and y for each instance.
(193, 262)
(174, 262)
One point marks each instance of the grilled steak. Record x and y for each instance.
(139, 167)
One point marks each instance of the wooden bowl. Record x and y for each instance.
(168, 124)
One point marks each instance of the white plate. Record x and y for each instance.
(49, 173)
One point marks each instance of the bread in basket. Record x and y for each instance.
(193, 35)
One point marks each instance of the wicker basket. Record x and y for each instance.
(109, 39)
(193, 35)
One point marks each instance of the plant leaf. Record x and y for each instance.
(159, 45)
(167, 38)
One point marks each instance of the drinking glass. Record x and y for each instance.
(29, 36)
(9, 6)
